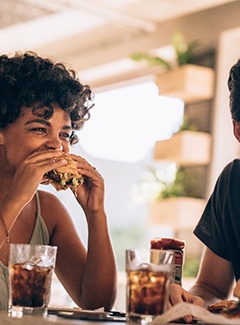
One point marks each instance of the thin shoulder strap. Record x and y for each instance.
(40, 234)
(38, 205)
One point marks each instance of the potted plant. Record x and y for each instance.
(184, 54)
(169, 198)
(187, 147)
(181, 78)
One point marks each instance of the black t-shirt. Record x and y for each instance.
(219, 226)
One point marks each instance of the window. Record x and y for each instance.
(119, 139)
(127, 121)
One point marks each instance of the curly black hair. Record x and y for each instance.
(234, 88)
(28, 80)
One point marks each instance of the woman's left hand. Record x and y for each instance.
(90, 194)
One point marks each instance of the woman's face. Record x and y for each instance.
(31, 133)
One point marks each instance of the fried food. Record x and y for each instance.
(228, 308)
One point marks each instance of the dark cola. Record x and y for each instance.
(147, 292)
(30, 285)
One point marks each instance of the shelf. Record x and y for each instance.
(180, 213)
(186, 148)
(191, 83)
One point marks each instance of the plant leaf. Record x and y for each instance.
(151, 60)
(184, 52)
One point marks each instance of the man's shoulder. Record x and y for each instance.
(232, 167)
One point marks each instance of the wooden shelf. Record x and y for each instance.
(186, 148)
(191, 83)
(180, 213)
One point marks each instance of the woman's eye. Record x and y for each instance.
(65, 135)
(39, 130)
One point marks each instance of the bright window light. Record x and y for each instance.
(126, 122)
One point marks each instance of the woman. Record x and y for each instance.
(41, 105)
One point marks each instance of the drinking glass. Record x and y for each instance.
(149, 273)
(30, 277)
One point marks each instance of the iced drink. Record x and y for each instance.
(147, 283)
(30, 276)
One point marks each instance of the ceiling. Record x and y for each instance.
(89, 35)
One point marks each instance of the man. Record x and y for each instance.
(219, 226)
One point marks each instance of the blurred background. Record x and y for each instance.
(160, 132)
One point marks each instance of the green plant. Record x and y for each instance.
(190, 268)
(187, 126)
(177, 188)
(158, 184)
(184, 53)
(151, 60)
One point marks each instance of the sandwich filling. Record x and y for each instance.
(65, 176)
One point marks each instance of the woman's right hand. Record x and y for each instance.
(30, 173)
(177, 294)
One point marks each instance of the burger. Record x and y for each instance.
(66, 176)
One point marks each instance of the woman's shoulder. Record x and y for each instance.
(45, 195)
(52, 210)
(49, 202)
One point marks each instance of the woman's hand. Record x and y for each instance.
(177, 294)
(90, 194)
(30, 172)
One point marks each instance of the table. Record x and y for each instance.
(53, 320)
(49, 320)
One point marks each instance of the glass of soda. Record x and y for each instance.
(30, 276)
(149, 273)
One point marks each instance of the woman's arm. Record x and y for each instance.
(89, 276)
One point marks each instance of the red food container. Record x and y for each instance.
(177, 246)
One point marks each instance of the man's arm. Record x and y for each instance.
(215, 278)
(214, 282)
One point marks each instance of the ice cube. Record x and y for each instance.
(28, 266)
(40, 260)
(145, 267)
(36, 259)
(43, 261)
